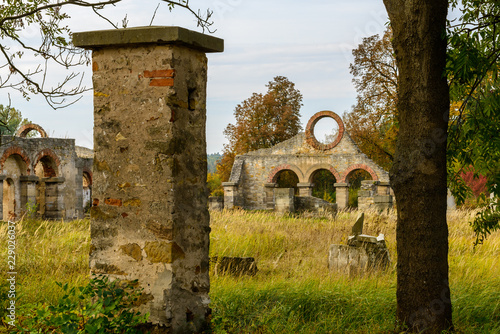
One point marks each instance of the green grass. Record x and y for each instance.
(293, 292)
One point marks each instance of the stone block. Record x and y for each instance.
(215, 203)
(284, 199)
(382, 199)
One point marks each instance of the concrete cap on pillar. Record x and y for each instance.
(229, 184)
(341, 185)
(148, 35)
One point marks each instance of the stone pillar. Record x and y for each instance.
(342, 195)
(269, 189)
(79, 213)
(305, 189)
(54, 201)
(150, 217)
(284, 199)
(230, 195)
(2, 177)
(383, 188)
(28, 191)
(365, 194)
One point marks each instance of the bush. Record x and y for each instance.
(100, 307)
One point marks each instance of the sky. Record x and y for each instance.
(309, 43)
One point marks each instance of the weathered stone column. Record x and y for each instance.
(149, 217)
(230, 195)
(284, 199)
(305, 189)
(28, 191)
(383, 188)
(53, 198)
(342, 195)
(269, 189)
(365, 194)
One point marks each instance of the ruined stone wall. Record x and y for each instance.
(262, 166)
(21, 161)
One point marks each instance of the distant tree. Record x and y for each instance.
(214, 185)
(212, 160)
(262, 121)
(372, 123)
(10, 120)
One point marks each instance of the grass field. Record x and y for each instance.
(293, 292)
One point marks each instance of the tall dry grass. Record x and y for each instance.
(293, 292)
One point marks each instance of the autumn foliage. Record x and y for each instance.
(262, 120)
(372, 123)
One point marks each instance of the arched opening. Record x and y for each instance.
(14, 167)
(31, 130)
(324, 185)
(354, 179)
(87, 191)
(326, 130)
(287, 179)
(46, 167)
(9, 200)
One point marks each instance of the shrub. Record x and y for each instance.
(100, 307)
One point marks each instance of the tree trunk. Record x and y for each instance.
(418, 175)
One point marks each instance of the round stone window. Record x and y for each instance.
(331, 132)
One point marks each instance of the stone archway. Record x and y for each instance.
(27, 128)
(276, 171)
(359, 166)
(47, 164)
(87, 189)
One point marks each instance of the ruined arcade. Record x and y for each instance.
(253, 181)
(46, 177)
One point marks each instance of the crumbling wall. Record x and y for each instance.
(44, 173)
(255, 171)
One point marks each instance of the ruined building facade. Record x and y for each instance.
(254, 176)
(45, 177)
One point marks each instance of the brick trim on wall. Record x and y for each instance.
(359, 166)
(19, 151)
(48, 152)
(25, 129)
(311, 139)
(315, 168)
(274, 173)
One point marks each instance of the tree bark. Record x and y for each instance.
(418, 175)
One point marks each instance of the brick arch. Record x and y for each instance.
(274, 173)
(25, 129)
(47, 152)
(15, 150)
(311, 139)
(310, 172)
(359, 166)
(89, 173)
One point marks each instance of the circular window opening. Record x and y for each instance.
(326, 130)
